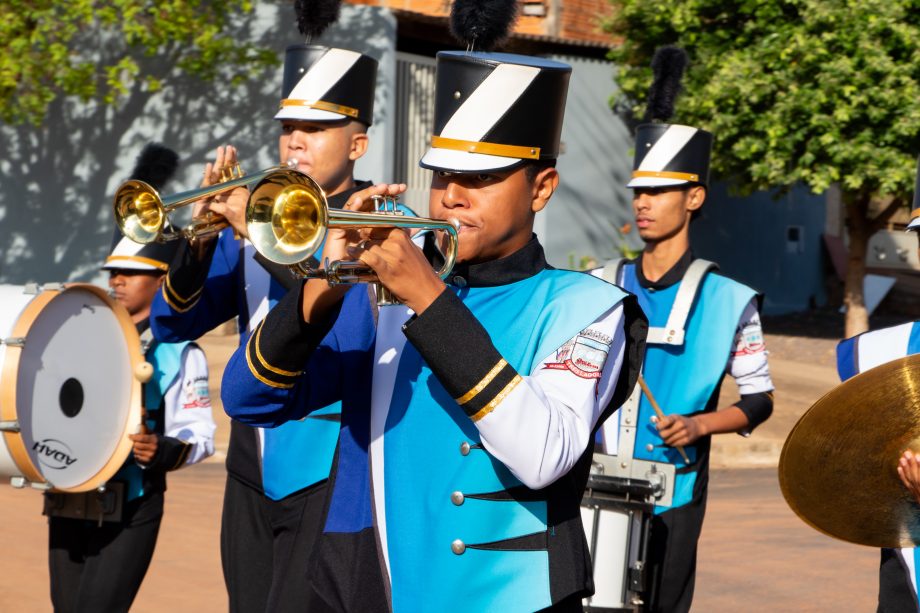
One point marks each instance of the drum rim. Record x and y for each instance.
(9, 379)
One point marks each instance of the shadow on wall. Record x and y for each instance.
(57, 180)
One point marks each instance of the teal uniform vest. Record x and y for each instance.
(683, 378)
(424, 430)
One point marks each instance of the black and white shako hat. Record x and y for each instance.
(670, 154)
(327, 84)
(495, 110)
(128, 255)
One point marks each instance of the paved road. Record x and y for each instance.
(755, 555)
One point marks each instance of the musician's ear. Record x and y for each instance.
(358, 141)
(545, 183)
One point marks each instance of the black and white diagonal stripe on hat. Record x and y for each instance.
(668, 154)
(494, 110)
(327, 84)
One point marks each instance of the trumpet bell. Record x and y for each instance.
(287, 217)
(139, 212)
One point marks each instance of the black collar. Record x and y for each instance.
(522, 264)
(338, 200)
(674, 275)
(142, 325)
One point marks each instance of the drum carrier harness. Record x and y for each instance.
(623, 464)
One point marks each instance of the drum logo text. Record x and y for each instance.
(53, 453)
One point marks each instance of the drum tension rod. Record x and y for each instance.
(9, 426)
(13, 341)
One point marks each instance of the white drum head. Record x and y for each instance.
(76, 397)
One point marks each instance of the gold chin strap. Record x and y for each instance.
(661, 174)
(321, 105)
(505, 151)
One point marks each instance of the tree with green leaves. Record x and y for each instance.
(796, 92)
(85, 84)
(50, 49)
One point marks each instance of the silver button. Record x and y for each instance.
(457, 95)
(457, 498)
(464, 448)
(458, 547)
(650, 447)
(459, 281)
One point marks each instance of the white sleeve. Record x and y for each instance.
(543, 426)
(747, 363)
(188, 406)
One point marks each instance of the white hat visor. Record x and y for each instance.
(132, 262)
(306, 113)
(451, 160)
(655, 182)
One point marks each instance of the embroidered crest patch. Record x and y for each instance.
(195, 393)
(750, 340)
(584, 355)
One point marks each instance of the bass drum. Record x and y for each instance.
(71, 368)
(616, 514)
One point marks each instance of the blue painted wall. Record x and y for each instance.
(750, 239)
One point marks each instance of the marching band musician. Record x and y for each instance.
(101, 544)
(467, 431)
(702, 326)
(276, 478)
(899, 568)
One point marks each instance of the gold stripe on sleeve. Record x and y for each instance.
(483, 383)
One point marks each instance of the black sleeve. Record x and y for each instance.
(757, 408)
(188, 272)
(459, 352)
(280, 346)
(171, 454)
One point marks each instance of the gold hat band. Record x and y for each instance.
(656, 174)
(321, 105)
(470, 146)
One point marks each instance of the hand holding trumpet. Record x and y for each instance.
(231, 204)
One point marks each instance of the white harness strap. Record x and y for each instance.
(673, 332)
(620, 438)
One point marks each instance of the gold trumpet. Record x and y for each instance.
(288, 216)
(143, 216)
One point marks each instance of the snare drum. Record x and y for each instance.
(616, 514)
(70, 386)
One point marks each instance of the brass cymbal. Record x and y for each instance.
(838, 468)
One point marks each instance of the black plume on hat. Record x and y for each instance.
(668, 66)
(482, 25)
(155, 165)
(314, 16)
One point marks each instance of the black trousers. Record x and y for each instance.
(266, 545)
(895, 590)
(671, 560)
(100, 568)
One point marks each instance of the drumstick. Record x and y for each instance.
(660, 414)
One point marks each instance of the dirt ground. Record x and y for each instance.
(755, 555)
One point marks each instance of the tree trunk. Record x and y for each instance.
(858, 228)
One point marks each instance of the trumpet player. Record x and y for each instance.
(276, 479)
(469, 410)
